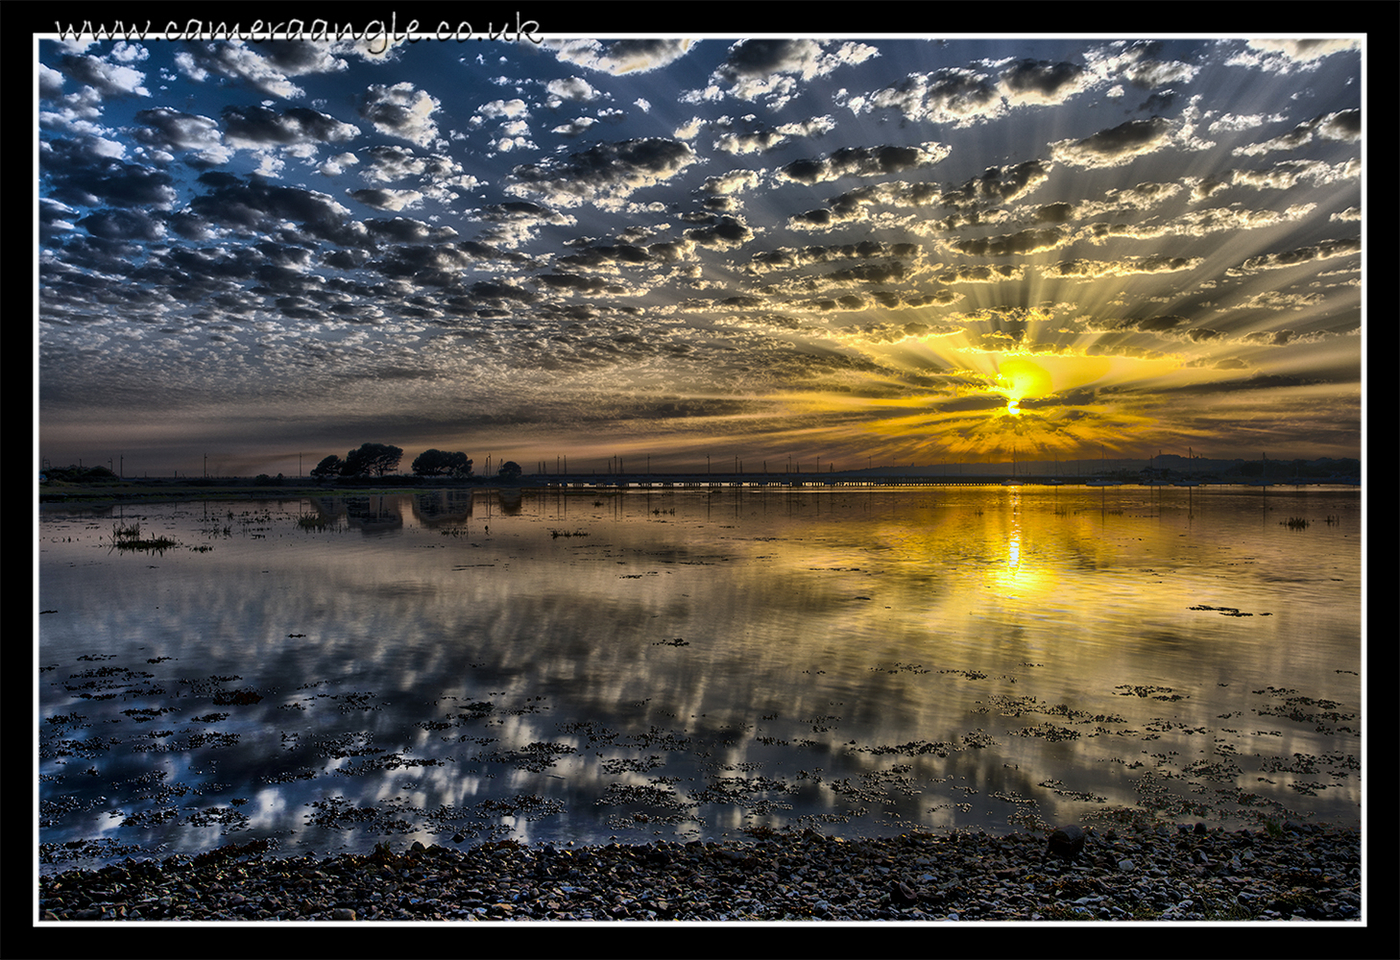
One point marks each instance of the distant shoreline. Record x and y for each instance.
(175, 490)
(233, 488)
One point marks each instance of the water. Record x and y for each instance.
(330, 673)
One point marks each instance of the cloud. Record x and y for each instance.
(770, 69)
(863, 162)
(259, 126)
(1043, 82)
(84, 172)
(982, 273)
(510, 109)
(735, 181)
(1197, 223)
(401, 111)
(109, 79)
(518, 221)
(1115, 146)
(955, 95)
(998, 185)
(1287, 173)
(621, 56)
(791, 258)
(268, 73)
(1284, 56)
(1139, 64)
(1016, 244)
(1169, 324)
(1344, 125)
(965, 95)
(1094, 269)
(1325, 250)
(437, 176)
(747, 135)
(383, 199)
(1306, 50)
(723, 233)
(605, 173)
(1229, 121)
(167, 130)
(336, 165)
(124, 225)
(570, 89)
(256, 205)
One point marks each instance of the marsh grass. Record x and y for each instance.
(129, 538)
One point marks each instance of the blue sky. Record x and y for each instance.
(837, 249)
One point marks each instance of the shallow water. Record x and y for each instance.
(331, 673)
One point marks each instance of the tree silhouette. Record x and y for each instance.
(510, 471)
(329, 467)
(375, 458)
(437, 462)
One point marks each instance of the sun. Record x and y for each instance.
(1019, 378)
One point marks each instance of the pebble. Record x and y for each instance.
(1303, 872)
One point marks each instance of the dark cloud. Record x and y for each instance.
(998, 185)
(789, 258)
(256, 125)
(385, 199)
(724, 232)
(981, 273)
(1148, 324)
(79, 173)
(1325, 250)
(123, 225)
(401, 110)
(257, 205)
(166, 128)
(605, 171)
(107, 78)
(955, 95)
(1026, 241)
(1116, 145)
(1344, 125)
(863, 162)
(1042, 81)
(607, 256)
(237, 61)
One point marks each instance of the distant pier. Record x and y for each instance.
(671, 481)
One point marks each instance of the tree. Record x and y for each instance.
(329, 467)
(510, 471)
(437, 462)
(375, 458)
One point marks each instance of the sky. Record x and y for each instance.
(826, 251)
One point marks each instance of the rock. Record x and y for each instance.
(1066, 842)
(342, 913)
(902, 894)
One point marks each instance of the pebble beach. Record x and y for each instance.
(1150, 872)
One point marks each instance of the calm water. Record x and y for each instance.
(330, 673)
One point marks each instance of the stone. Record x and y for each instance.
(903, 894)
(1067, 842)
